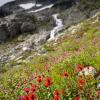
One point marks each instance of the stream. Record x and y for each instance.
(57, 28)
(58, 22)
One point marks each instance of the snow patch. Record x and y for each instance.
(27, 5)
(43, 8)
(38, 5)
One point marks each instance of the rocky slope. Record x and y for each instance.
(31, 26)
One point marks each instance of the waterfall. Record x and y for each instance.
(57, 28)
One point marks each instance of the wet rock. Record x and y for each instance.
(15, 25)
(88, 71)
(9, 30)
(14, 29)
(4, 58)
(9, 8)
(3, 32)
(41, 39)
(27, 27)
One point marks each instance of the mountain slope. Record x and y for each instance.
(23, 24)
(77, 45)
(50, 50)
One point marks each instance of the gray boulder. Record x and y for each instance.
(3, 32)
(14, 25)
(14, 29)
(9, 8)
(27, 27)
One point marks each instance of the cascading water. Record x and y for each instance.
(57, 28)
(59, 24)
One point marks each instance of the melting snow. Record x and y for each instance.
(43, 8)
(38, 5)
(27, 5)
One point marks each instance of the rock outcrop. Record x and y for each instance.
(70, 11)
(13, 25)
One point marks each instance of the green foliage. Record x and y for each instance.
(92, 4)
(48, 47)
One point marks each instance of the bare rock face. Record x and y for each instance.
(8, 29)
(3, 32)
(13, 26)
(33, 42)
(22, 23)
(14, 6)
(14, 29)
(27, 27)
(9, 8)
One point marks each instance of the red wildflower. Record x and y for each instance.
(81, 82)
(77, 98)
(18, 85)
(56, 97)
(65, 74)
(56, 92)
(78, 68)
(26, 90)
(31, 96)
(48, 82)
(33, 89)
(98, 92)
(39, 79)
(25, 98)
